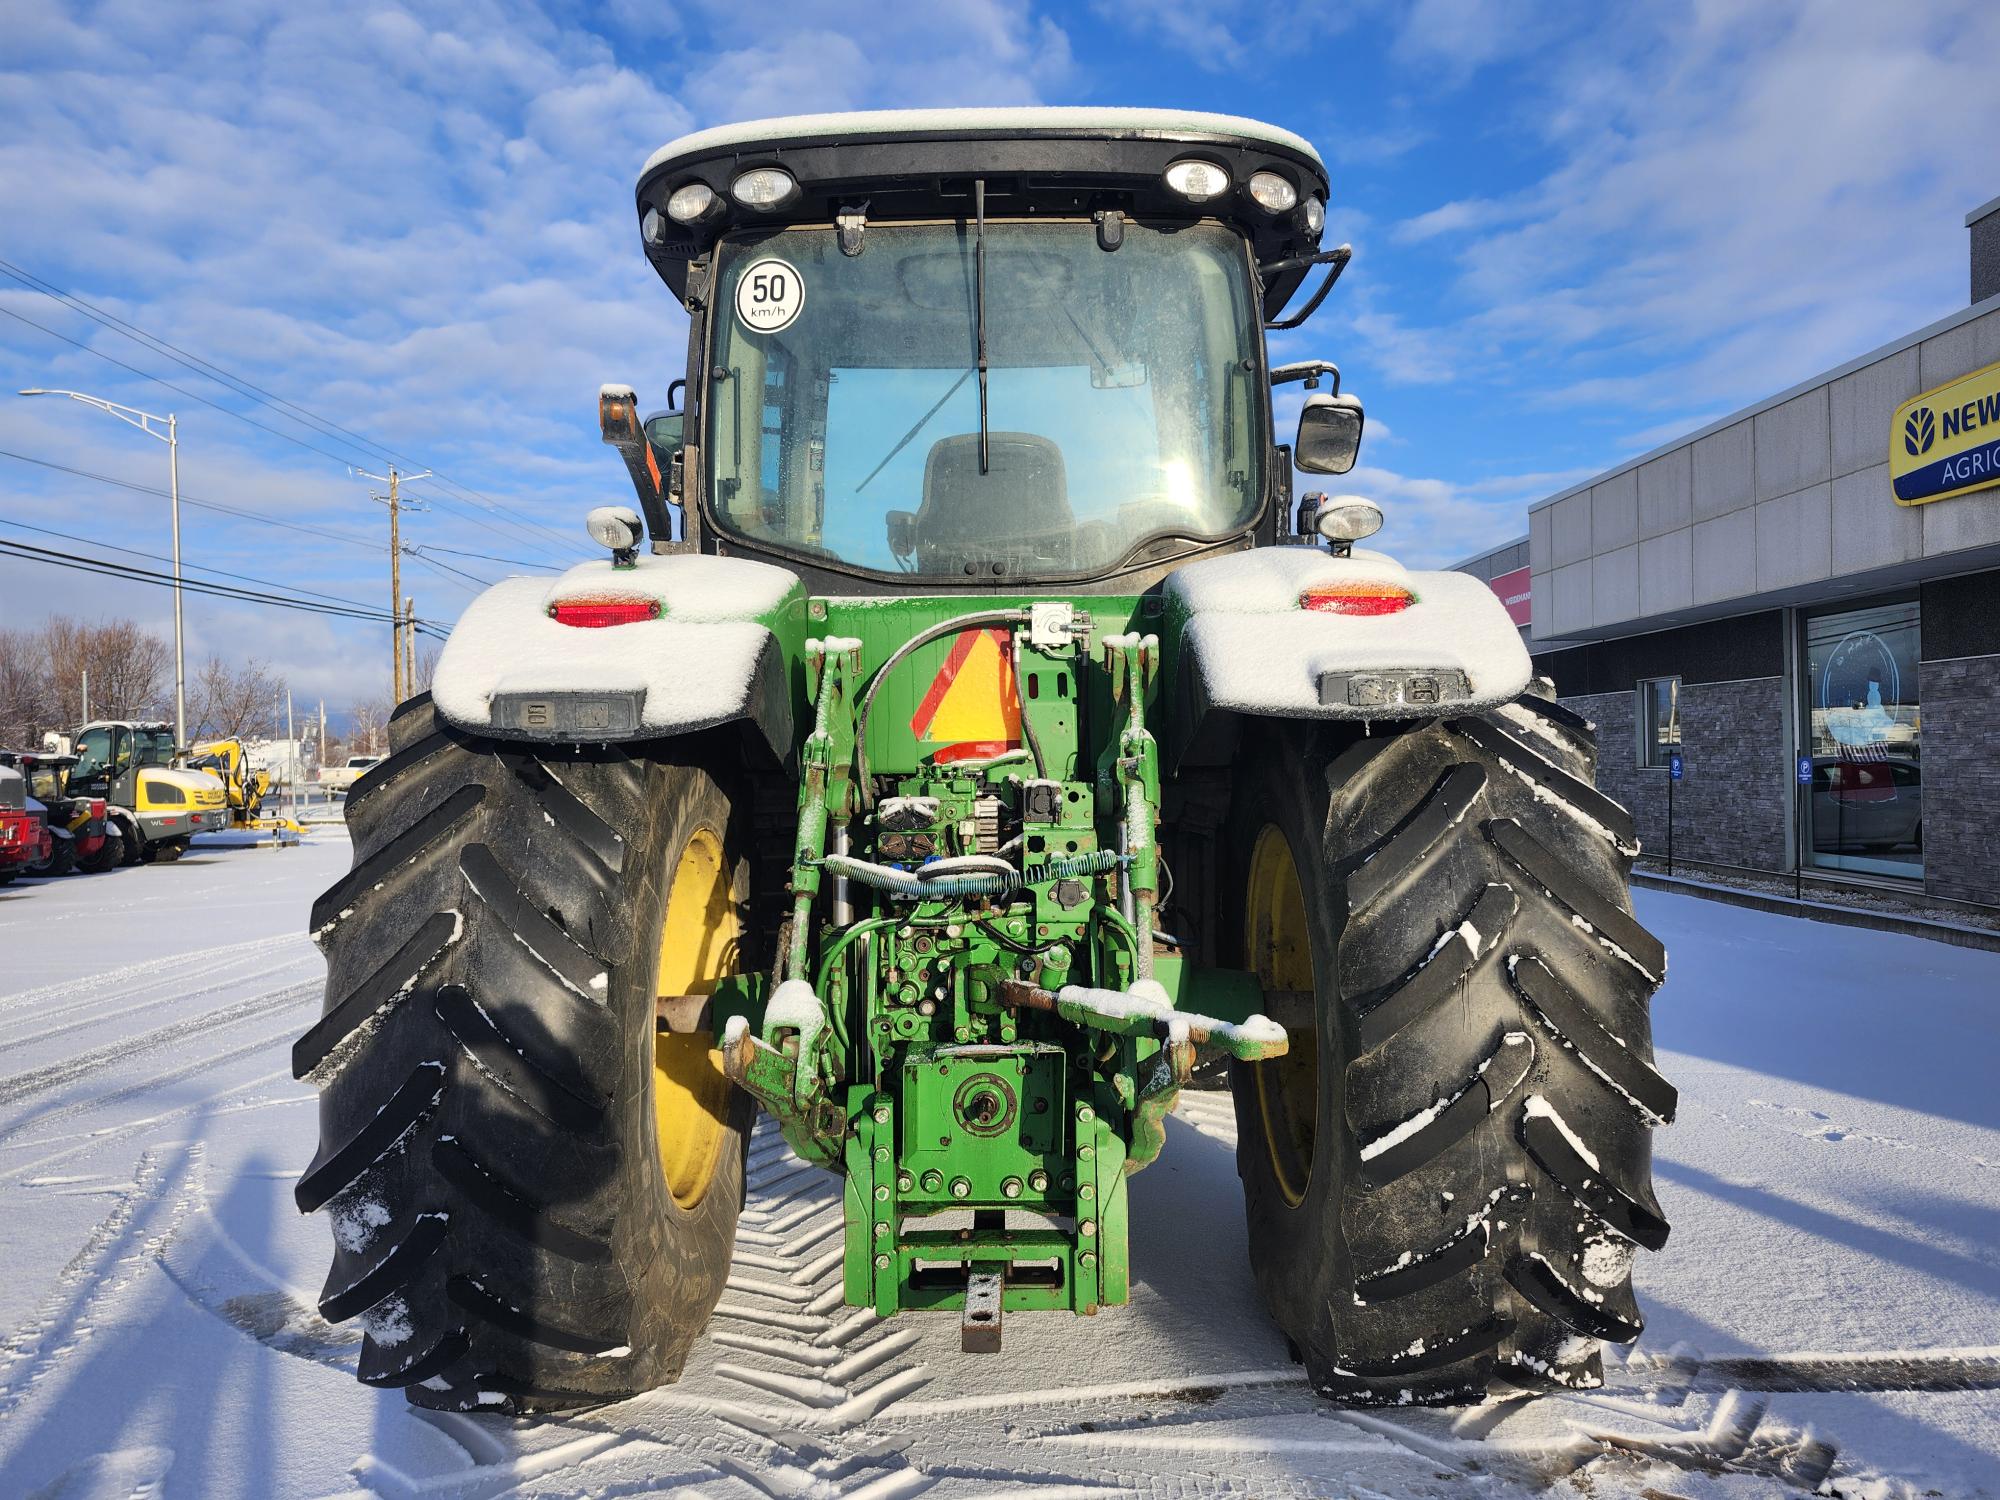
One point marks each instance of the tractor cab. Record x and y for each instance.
(977, 350)
(79, 828)
(158, 808)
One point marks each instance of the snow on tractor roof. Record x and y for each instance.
(1063, 120)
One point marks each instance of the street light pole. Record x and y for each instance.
(131, 416)
(180, 640)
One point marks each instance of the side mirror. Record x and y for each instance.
(1329, 438)
(663, 431)
(902, 532)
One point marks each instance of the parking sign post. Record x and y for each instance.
(1676, 768)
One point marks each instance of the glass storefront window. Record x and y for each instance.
(1864, 727)
(1659, 719)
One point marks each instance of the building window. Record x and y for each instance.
(1864, 736)
(1659, 720)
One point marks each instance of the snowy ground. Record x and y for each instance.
(1834, 1183)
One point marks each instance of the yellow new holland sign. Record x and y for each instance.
(1947, 441)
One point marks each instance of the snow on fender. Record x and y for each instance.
(708, 655)
(1246, 645)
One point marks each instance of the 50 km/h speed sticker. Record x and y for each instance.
(768, 296)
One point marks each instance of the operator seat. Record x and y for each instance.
(1017, 513)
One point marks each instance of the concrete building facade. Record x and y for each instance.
(1789, 620)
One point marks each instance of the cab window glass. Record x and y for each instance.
(93, 754)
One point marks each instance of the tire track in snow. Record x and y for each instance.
(146, 1085)
(53, 1075)
(90, 1140)
(165, 974)
(123, 1241)
(788, 1335)
(102, 1017)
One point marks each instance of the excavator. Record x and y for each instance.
(245, 785)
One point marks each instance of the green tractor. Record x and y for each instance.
(962, 743)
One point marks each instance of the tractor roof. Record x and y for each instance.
(1080, 122)
(920, 164)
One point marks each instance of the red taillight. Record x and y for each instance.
(595, 614)
(1357, 599)
(97, 808)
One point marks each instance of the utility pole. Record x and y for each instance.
(394, 500)
(410, 647)
(86, 697)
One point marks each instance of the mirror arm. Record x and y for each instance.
(1308, 370)
(1335, 261)
(619, 426)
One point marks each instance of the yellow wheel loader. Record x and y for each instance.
(158, 808)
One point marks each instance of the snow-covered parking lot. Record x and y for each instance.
(1830, 1296)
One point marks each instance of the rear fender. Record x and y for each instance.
(723, 647)
(1240, 644)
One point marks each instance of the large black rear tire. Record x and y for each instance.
(490, 1110)
(1446, 1181)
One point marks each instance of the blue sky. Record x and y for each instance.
(1578, 230)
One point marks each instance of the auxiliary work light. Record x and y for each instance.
(764, 188)
(1197, 181)
(1272, 191)
(692, 202)
(1348, 518)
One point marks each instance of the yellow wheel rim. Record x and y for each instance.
(1279, 953)
(698, 945)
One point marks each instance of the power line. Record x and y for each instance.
(322, 426)
(177, 389)
(435, 566)
(198, 567)
(186, 499)
(251, 515)
(428, 547)
(250, 421)
(125, 571)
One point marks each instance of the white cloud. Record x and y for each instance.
(1742, 197)
(1433, 523)
(1230, 36)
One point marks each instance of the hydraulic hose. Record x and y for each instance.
(921, 638)
(908, 884)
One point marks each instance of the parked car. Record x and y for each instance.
(1867, 805)
(340, 778)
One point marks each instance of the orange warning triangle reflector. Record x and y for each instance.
(972, 704)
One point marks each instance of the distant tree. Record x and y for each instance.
(131, 670)
(42, 675)
(26, 706)
(427, 660)
(367, 732)
(233, 698)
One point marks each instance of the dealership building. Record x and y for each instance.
(1786, 625)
